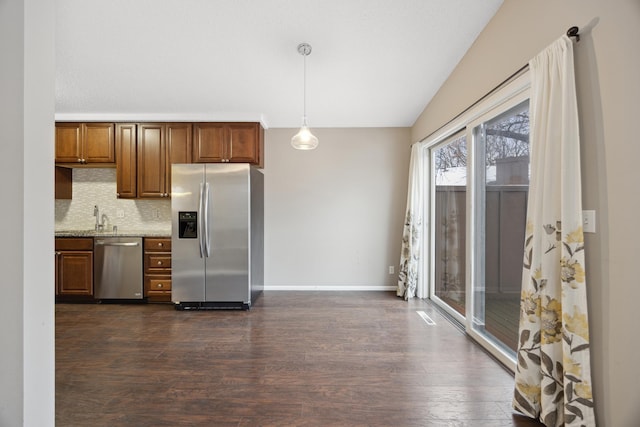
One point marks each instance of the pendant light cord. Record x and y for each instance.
(304, 89)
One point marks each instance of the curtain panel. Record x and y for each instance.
(410, 284)
(553, 374)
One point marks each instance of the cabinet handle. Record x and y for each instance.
(159, 285)
(159, 262)
(160, 244)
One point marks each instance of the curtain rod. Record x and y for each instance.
(482, 98)
(571, 32)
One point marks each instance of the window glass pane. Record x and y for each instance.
(450, 178)
(503, 156)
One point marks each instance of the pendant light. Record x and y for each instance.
(304, 139)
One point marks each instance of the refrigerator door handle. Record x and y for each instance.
(207, 231)
(201, 220)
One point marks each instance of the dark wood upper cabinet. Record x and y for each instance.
(209, 143)
(85, 143)
(63, 183)
(245, 143)
(159, 146)
(178, 146)
(228, 143)
(151, 160)
(144, 152)
(68, 142)
(126, 160)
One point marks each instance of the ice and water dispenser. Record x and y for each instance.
(188, 225)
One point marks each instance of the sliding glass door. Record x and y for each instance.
(478, 183)
(448, 195)
(501, 188)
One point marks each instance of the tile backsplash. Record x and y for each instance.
(93, 187)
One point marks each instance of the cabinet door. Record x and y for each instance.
(244, 143)
(57, 271)
(75, 273)
(68, 142)
(209, 143)
(151, 161)
(126, 161)
(178, 137)
(98, 143)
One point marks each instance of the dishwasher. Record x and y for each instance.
(117, 270)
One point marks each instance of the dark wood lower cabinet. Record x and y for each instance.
(157, 269)
(74, 268)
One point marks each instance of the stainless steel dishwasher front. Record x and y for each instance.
(117, 270)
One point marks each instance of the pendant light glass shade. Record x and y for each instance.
(304, 139)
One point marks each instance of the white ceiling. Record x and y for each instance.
(375, 63)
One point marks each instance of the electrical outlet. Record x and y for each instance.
(120, 213)
(392, 269)
(589, 221)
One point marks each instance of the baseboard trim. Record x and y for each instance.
(327, 288)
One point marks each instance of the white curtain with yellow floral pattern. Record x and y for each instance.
(410, 283)
(553, 375)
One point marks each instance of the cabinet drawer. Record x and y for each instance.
(74, 244)
(157, 262)
(159, 284)
(157, 244)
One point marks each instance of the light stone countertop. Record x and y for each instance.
(120, 233)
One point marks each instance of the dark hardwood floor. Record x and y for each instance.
(294, 359)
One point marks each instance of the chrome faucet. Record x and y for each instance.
(99, 226)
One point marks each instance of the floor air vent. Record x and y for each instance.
(428, 320)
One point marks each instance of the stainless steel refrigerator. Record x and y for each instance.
(217, 235)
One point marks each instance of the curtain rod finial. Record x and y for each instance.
(573, 32)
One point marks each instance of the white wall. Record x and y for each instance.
(608, 87)
(26, 225)
(333, 216)
(11, 186)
